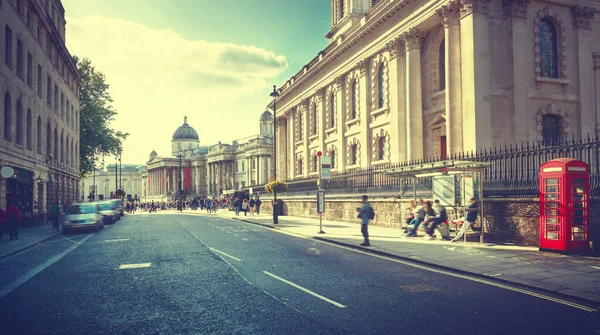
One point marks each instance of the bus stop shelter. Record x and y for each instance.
(442, 168)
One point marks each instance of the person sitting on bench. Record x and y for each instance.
(440, 216)
(471, 217)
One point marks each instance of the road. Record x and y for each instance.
(204, 274)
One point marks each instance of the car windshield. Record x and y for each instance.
(80, 209)
(105, 207)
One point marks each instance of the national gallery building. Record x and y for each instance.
(410, 79)
(212, 170)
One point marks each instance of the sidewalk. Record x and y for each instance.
(27, 238)
(571, 276)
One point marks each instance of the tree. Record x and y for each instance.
(97, 139)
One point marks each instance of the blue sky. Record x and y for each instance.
(213, 61)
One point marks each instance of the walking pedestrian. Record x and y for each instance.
(237, 204)
(251, 205)
(365, 213)
(470, 218)
(245, 206)
(258, 203)
(55, 212)
(13, 216)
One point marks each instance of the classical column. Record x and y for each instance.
(257, 173)
(283, 149)
(475, 65)
(396, 70)
(321, 120)
(450, 19)
(413, 40)
(340, 109)
(596, 56)
(305, 129)
(364, 112)
(291, 144)
(582, 18)
(521, 69)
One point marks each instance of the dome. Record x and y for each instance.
(185, 133)
(266, 116)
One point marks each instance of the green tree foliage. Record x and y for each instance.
(97, 139)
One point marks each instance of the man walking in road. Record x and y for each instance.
(365, 213)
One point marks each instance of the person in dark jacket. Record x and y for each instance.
(13, 216)
(440, 216)
(258, 203)
(363, 215)
(237, 204)
(472, 212)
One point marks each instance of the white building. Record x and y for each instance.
(108, 181)
(39, 90)
(410, 79)
(210, 170)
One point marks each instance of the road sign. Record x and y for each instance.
(319, 154)
(326, 167)
(320, 201)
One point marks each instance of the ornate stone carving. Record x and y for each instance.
(582, 17)
(353, 143)
(338, 83)
(560, 30)
(386, 155)
(413, 39)
(319, 92)
(516, 8)
(474, 6)
(450, 13)
(363, 67)
(378, 61)
(596, 56)
(393, 47)
(554, 110)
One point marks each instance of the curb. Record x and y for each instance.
(594, 303)
(31, 245)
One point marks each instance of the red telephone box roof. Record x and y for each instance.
(564, 162)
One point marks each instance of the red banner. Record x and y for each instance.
(187, 177)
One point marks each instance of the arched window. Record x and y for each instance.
(48, 139)
(380, 93)
(332, 110)
(39, 135)
(313, 125)
(551, 129)
(381, 148)
(548, 49)
(28, 131)
(353, 154)
(353, 111)
(7, 116)
(56, 143)
(442, 65)
(341, 9)
(19, 122)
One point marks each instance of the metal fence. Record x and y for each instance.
(513, 171)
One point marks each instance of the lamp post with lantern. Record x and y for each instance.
(275, 94)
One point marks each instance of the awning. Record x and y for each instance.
(432, 169)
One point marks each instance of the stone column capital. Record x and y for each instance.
(363, 66)
(474, 6)
(450, 13)
(393, 47)
(338, 83)
(516, 8)
(582, 17)
(320, 92)
(413, 39)
(596, 56)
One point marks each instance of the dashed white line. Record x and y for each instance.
(134, 266)
(68, 239)
(337, 304)
(225, 254)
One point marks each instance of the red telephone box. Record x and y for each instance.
(564, 201)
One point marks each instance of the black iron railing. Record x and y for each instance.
(513, 171)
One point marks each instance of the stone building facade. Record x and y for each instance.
(409, 79)
(210, 170)
(107, 181)
(39, 90)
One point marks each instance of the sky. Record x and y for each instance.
(212, 61)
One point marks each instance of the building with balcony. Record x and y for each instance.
(39, 90)
(193, 170)
(405, 80)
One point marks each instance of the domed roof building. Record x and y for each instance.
(185, 138)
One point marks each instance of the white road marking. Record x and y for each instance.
(68, 239)
(118, 240)
(245, 239)
(451, 249)
(492, 274)
(224, 254)
(20, 281)
(236, 235)
(134, 266)
(595, 267)
(337, 304)
(431, 269)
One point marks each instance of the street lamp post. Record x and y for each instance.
(274, 94)
(94, 187)
(120, 173)
(116, 176)
(180, 170)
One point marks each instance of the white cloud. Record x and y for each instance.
(157, 76)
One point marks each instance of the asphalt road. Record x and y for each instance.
(210, 275)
